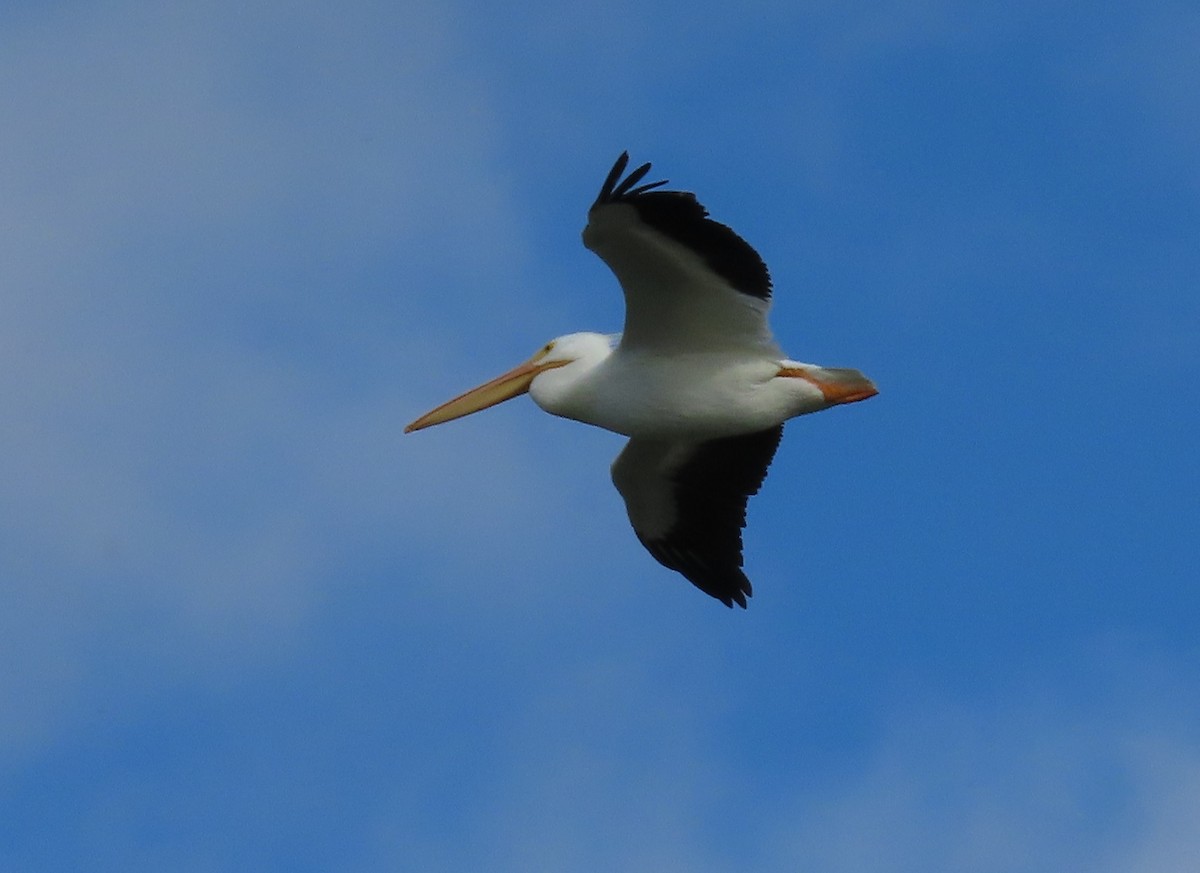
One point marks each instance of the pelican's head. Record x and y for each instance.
(589, 348)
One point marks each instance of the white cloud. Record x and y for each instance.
(598, 769)
(222, 231)
(171, 456)
(1166, 836)
(607, 767)
(1029, 783)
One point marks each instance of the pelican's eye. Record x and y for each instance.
(546, 349)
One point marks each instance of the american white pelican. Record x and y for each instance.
(695, 380)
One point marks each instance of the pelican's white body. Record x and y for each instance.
(691, 397)
(695, 379)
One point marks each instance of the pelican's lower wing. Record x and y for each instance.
(687, 504)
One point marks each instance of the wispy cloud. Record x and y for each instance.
(242, 617)
(610, 768)
(1025, 783)
(173, 450)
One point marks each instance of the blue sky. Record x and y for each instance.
(246, 624)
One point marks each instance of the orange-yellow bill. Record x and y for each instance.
(504, 387)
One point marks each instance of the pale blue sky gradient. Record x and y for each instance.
(245, 624)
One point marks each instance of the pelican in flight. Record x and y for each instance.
(695, 380)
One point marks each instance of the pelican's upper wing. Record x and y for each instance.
(687, 504)
(690, 283)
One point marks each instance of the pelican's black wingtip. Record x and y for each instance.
(739, 596)
(615, 189)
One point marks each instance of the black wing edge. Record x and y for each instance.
(611, 192)
(680, 216)
(711, 491)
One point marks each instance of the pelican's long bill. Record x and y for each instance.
(504, 387)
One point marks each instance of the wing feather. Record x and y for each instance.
(687, 504)
(690, 283)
